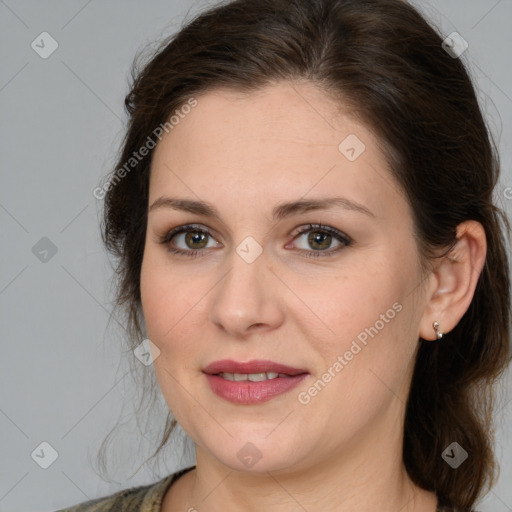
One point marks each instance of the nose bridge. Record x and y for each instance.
(247, 268)
(243, 296)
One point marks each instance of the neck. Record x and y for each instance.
(366, 479)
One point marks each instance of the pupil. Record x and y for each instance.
(317, 238)
(194, 237)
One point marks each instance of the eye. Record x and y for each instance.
(194, 237)
(320, 238)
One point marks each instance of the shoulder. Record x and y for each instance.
(143, 498)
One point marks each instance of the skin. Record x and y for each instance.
(245, 153)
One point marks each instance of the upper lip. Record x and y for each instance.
(254, 366)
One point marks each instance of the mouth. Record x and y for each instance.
(251, 382)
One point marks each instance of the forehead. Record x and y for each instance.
(283, 140)
(283, 113)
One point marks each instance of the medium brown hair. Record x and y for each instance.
(385, 61)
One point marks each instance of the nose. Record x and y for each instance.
(247, 298)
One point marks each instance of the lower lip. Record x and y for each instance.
(247, 392)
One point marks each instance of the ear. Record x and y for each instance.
(454, 280)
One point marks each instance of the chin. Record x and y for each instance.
(257, 454)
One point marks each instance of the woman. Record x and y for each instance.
(303, 217)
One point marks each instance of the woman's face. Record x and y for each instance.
(341, 308)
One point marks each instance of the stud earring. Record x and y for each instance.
(439, 334)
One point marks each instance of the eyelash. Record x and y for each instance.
(345, 240)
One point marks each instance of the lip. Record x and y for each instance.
(254, 366)
(248, 392)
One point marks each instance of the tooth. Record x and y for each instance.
(253, 377)
(257, 377)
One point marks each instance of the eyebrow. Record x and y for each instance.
(280, 212)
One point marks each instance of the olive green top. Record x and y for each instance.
(144, 498)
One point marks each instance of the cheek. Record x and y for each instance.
(172, 309)
(370, 311)
(360, 303)
(154, 300)
(163, 295)
(362, 373)
(165, 307)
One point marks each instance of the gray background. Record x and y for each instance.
(60, 124)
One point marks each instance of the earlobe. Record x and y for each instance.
(456, 276)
